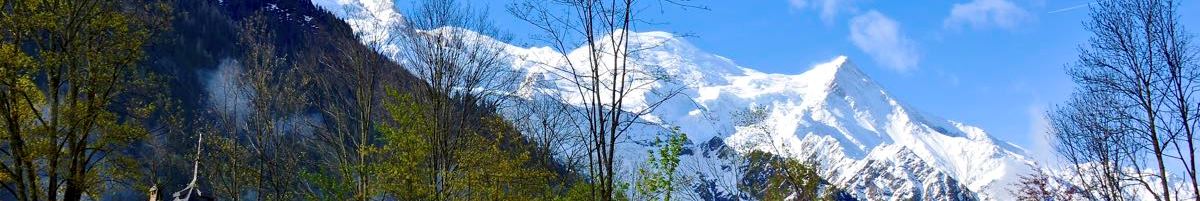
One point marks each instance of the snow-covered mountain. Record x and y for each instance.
(866, 141)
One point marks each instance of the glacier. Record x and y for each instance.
(865, 141)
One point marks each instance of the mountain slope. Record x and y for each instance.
(866, 141)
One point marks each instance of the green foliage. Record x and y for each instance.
(493, 166)
(62, 135)
(659, 179)
(784, 177)
(403, 159)
(581, 190)
(578, 191)
(229, 168)
(498, 166)
(326, 187)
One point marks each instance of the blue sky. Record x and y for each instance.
(996, 64)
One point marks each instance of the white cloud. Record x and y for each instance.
(225, 95)
(981, 14)
(828, 9)
(880, 37)
(949, 77)
(799, 4)
(1039, 137)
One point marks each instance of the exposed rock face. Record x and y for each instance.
(864, 141)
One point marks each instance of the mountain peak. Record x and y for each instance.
(652, 34)
(841, 73)
(840, 60)
(844, 70)
(834, 102)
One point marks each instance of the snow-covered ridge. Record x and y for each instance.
(833, 112)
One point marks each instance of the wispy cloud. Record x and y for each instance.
(800, 4)
(949, 77)
(1069, 8)
(1039, 138)
(979, 14)
(225, 95)
(827, 9)
(881, 38)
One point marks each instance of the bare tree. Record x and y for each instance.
(348, 81)
(1178, 87)
(273, 86)
(725, 168)
(787, 173)
(255, 147)
(547, 123)
(461, 58)
(1134, 106)
(724, 164)
(1038, 186)
(1090, 138)
(601, 82)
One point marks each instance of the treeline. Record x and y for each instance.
(1129, 130)
(280, 100)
